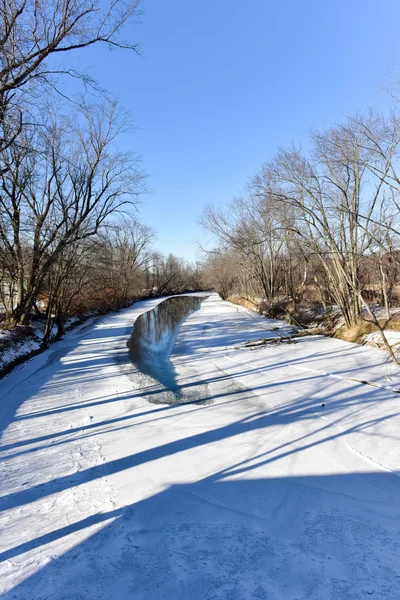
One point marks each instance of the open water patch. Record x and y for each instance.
(150, 345)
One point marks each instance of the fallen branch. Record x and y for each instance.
(276, 340)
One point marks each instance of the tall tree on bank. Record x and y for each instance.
(35, 35)
(58, 190)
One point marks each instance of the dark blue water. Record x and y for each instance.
(153, 338)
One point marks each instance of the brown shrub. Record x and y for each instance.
(355, 333)
(363, 328)
(310, 293)
(247, 302)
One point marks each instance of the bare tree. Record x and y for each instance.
(33, 34)
(170, 274)
(221, 273)
(124, 257)
(61, 193)
(250, 227)
(325, 191)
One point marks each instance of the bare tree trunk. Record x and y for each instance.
(381, 331)
(384, 291)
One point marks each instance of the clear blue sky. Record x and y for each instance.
(223, 83)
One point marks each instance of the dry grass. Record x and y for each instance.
(310, 293)
(363, 328)
(355, 333)
(394, 325)
(248, 303)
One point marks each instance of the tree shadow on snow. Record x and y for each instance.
(322, 536)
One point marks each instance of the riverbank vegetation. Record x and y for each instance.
(316, 235)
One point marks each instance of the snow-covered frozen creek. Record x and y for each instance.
(275, 478)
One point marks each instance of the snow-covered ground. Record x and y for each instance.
(12, 349)
(279, 482)
(375, 339)
(17, 344)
